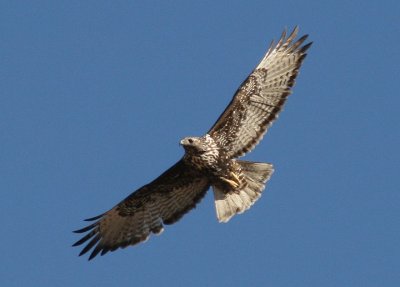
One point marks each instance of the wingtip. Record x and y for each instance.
(283, 36)
(303, 38)
(306, 47)
(81, 253)
(294, 32)
(87, 228)
(286, 42)
(94, 218)
(93, 254)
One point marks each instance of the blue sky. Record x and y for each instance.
(95, 96)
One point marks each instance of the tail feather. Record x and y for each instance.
(228, 204)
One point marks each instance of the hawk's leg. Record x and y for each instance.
(232, 183)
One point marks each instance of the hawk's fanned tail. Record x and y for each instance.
(227, 204)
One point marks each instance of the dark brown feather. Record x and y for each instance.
(207, 160)
(165, 200)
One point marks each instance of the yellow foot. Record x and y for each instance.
(234, 184)
(237, 179)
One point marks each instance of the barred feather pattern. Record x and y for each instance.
(163, 201)
(260, 98)
(208, 160)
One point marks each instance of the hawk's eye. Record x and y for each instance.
(190, 141)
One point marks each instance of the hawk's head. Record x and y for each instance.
(194, 145)
(197, 146)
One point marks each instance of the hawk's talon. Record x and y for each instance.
(237, 179)
(232, 183)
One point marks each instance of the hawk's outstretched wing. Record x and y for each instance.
(165, 200)
(260, 98)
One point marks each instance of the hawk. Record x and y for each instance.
(208, 161)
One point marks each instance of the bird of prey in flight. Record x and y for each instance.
(209, 161)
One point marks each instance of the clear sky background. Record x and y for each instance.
(95, 96)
